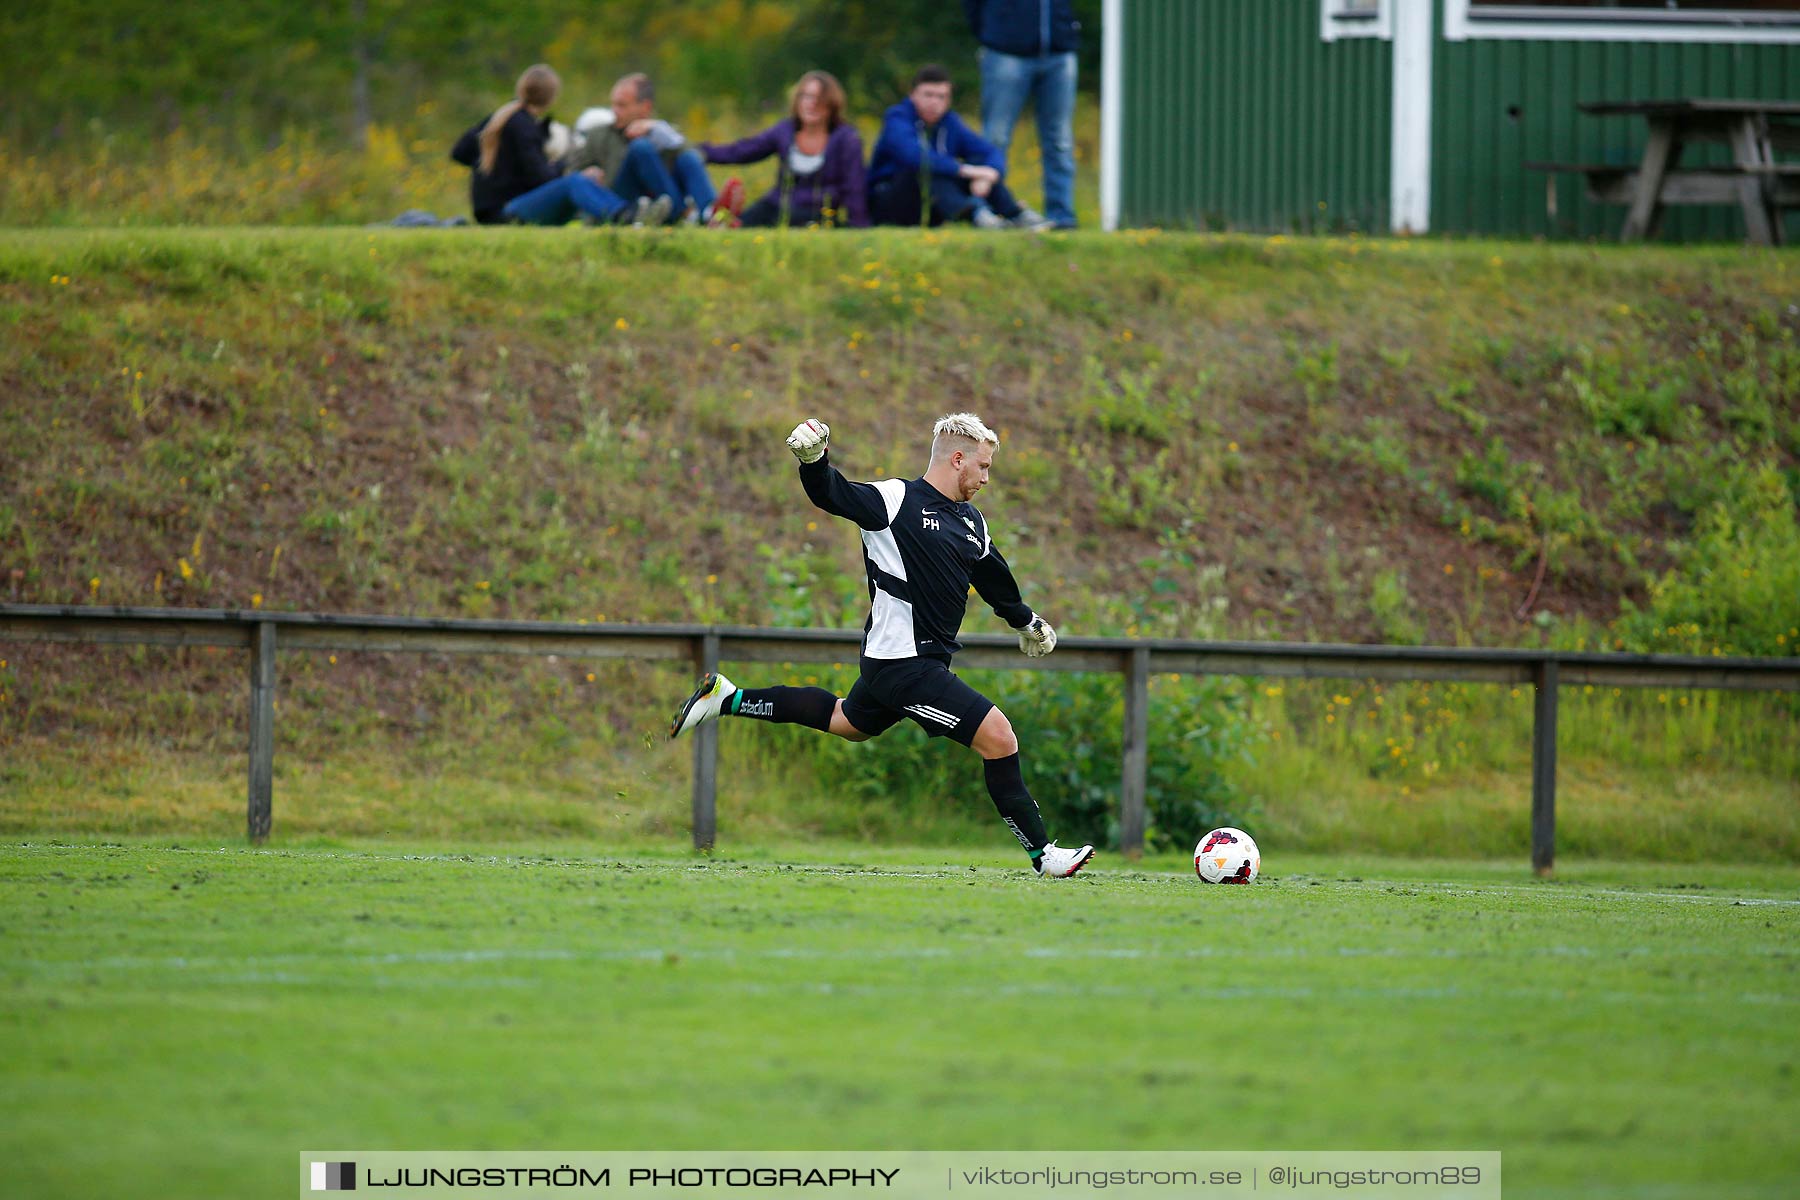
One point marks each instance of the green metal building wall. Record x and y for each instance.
(1499, 104)
(1236, 115)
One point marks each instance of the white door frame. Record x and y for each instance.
(1409, 173)
(1112, 90)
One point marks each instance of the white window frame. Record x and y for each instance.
(1350, 19)
(1468, 20)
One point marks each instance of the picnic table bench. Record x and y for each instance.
(1761, 185)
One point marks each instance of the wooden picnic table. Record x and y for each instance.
(1756, 181)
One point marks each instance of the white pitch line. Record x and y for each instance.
(1052, 988)
(727, 866)
(1550, 891)
(656, 954)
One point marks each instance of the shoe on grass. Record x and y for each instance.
(1057, 863)
(731, 198)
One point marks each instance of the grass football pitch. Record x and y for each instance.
(182, 1020)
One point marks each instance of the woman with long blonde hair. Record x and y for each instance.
(819, 161)
(512, 177)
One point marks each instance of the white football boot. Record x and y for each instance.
(703, 705)
(1057, 863)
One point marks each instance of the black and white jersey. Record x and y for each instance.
(922, 551)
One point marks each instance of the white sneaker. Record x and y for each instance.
(987, 218)
(652, 212)
(1031, 221)
(703, 705)
(1058, 863)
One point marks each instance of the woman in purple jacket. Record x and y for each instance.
(819, 156)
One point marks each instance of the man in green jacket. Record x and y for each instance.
(644, 159)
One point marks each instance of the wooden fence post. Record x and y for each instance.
(1136, 754)
(706, 756)
(262, 730)
(1543, 768)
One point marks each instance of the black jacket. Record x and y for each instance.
(520, 165)
(922, 550)
(1025, 28)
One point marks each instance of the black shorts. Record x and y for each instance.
(920, 688)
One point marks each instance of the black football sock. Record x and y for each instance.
(1006, 784)
(810, 706)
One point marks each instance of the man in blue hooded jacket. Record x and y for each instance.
(1028, 52)
(929, 167)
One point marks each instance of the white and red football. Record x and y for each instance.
(1227, 856)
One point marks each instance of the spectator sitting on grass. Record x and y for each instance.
(644, 159)
(819, 161)
(513, 179)
(929, 167)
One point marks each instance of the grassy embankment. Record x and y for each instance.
(1265, 438)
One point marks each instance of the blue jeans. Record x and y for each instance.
(1048, 81)
(557, 201)
(643, 174)
(897, 201)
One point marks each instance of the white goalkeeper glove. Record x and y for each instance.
(1038, 638)
(809, 440)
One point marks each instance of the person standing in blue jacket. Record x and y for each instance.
(1028, 52)
(929, 167)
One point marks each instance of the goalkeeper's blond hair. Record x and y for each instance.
(960, 431)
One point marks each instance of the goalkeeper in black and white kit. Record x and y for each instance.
(924, 544)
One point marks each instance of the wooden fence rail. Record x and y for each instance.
(706, 646)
